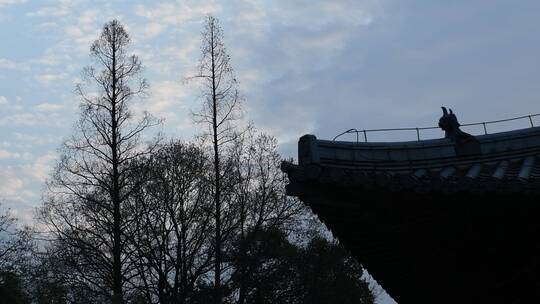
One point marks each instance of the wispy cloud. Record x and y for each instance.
(7, 64)
(177, 13)
(11, 2)
(21, 185)
(50, 79)
(9, 154)
(10, 183)
(59, 8)
(34, 119)
(49, 107)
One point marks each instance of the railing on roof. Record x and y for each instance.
(419, 129)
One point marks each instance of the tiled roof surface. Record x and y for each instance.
(505, 162)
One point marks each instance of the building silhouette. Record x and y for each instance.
(451, 220)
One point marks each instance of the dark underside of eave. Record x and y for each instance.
(455, 243)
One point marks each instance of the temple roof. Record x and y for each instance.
(452, 220)
(501, 162)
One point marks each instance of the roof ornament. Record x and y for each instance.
(465, 142)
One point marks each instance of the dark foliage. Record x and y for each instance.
(277, 271)
(11, 290)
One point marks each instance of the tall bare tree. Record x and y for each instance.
(221, 108)
(92, 181)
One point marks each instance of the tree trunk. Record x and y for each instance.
(217, 194)
(115, 195)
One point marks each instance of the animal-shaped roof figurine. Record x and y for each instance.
(449, 123)
(465, 142)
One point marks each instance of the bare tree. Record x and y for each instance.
(260, 190)
(261, 200)
(170, 238)
(219, 112)
(15, 241)
(86, 206)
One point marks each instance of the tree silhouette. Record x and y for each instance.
(261, 203)
(278, 271)
(171, 233)
(91, 184)
(219, 112)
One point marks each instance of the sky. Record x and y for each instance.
(317, 67)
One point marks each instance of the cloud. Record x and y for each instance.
(4, 3)
(48, 59)
(20, 185)
(49, 79)
(165, 100)
(153, 29)
(41, 167)
(8, 64)
(8, 154)
(49, 107)
(21, 143)
(33, 119)
(28, 141)
(10, 183)
(289, 60)
(15, 114)
(61, 8)
(85, 28)
(177, 13)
